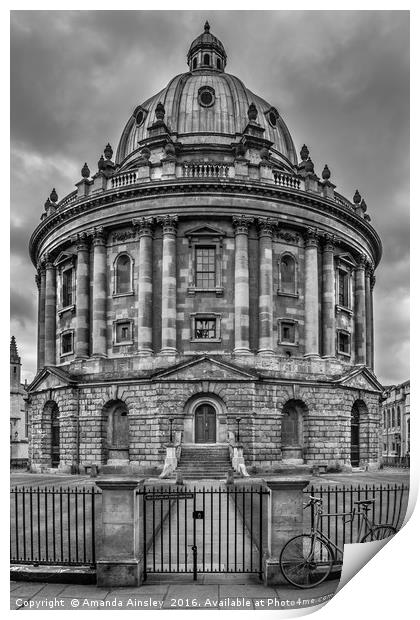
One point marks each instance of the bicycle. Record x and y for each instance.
(306, 560)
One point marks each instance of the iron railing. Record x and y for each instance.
(54, 526)
(389, 508)
(396, 461)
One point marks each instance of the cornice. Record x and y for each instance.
(182, 187)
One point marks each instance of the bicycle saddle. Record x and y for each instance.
(365, 502)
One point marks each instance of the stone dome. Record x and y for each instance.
(206, 106)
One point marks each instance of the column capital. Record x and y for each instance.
(311, 237)
(81, 240)
(38, 280)
(40, 267)
(362, 261)
(329, 242)
(48, 261)
(143, 226)
(168, 223)
(241, 224)
(98, 236)
(266, 226)
(372, 281)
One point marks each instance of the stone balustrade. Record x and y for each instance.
(123, 179)
(286, 180)
(205, 170)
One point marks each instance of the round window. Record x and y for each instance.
(206, 97)
(272, 117)
(139, 116)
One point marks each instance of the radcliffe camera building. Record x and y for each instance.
(205, 283)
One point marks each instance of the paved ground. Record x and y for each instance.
(385, 476)
(236, 592)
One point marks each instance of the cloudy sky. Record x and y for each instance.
(339, 79)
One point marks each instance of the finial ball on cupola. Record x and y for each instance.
(326, 173)
(363, 205)
(252, 112)
(309, 165)
(53, 195)
(160, 111)
(357, 197)
(207, 27)
(101, 163)
(108, 152)
(85, 171)
(304, 152)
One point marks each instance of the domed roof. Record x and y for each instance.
(206, 106)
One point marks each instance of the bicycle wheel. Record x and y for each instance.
(306, 561)
(379, 532)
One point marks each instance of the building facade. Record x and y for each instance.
(19, 427)
(206, 282)
(395, 411)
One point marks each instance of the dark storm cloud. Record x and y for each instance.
(340, 79)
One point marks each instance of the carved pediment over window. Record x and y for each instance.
(208, 232)
(65, 257)
(346, 259)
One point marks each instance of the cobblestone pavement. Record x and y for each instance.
(236, 592)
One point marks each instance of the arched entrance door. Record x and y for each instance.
(292, 431)
(355, 436)
(205, 424)
(117, 431)
(55, 437)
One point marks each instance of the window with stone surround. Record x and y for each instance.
(205, 260)
(343, 281)
(67, 280)
(343, 288)
(205, 327)
(343, 343)
(287, 332)
(123, 275)
(205, 266)
(67, 343)
(287, 275)
(123, 332)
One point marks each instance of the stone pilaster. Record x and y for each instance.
(144, 227)
(169, 223)
(371, 325)
(360, 310)
(40, 280)
(241, 225)
(99, 341)
(265, 300)
(328, 294)
(50, 312)
(82, 297)
(311, 293)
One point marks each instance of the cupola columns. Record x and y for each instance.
(241, 225)
(82, 298)
(169, 224)
(40, 280)
(328, 301)
(99, 343)
(144, 227)
(369, 317)
(311, 294)
(265, 299)
(360, 311)
(50, 312)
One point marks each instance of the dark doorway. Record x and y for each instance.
(118, 431)
(355, 436)
(292, 430)
(205, 424)
(55, 437)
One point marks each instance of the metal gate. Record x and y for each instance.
(208, 530)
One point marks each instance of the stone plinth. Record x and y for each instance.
(119, 563)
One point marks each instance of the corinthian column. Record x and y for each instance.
(328, 305)
(241, 226)
(169, 223)
(311, 293)
(144, 227)
(360, 310)
(40, 280)
(265, 299)
(99, 344)
(82, 297)
(50, 312)
(372, 322)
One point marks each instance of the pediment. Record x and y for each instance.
(204, 231)
(345, 257)
(205, 368)
(49, 378)
(64, 257)
(361, 379)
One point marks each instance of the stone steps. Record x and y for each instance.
(204, 461)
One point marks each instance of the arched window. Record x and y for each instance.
(288, 274)
(123, 272)
(206, 60)
(194, 63)
(219, 64)
(398, 417)
(393, 417)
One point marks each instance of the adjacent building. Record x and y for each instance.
(205, 284)
(395, 411)
(19, 428)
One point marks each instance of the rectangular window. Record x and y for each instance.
(343, 343)
(205, 329)
(288, 332)
(123, 332)
(67, 343)
(343, 289)
(67, 288)
(205, 267)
